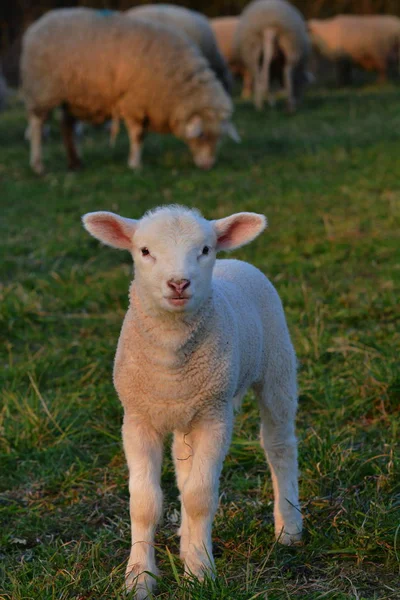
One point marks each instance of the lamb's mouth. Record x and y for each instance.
(178, 300)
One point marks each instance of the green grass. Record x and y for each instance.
(329, 181)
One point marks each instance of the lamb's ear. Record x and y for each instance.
(237, 230)
(111, 229)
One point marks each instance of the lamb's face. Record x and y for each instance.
(174, 251)
(174, 256)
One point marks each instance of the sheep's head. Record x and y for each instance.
(174, 250)
(203, 135)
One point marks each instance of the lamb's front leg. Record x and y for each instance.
(143, 450)
(200, 492)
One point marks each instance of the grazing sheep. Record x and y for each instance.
(224, 30)
(99, 66)
(195, 26)
(274, 31)
(370, 41)
(198, 333)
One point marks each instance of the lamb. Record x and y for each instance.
(195, 26)
(274, 31)
(198, 333)
(224, 30)
(98, 66)
(371, 41)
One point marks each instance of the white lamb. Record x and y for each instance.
(198, 333)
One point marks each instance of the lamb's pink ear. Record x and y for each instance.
(237, 230)
(111, 229)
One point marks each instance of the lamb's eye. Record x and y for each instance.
(206, 250)
(145, 251)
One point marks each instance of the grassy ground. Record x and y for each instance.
(329, 181)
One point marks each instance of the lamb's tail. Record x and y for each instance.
(263, 79)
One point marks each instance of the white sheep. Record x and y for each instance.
(224, 30)
(274, 31)
(370, 41)
(100, 65)
(192, 24)
(198, 333)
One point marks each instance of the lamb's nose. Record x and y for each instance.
(178, 285)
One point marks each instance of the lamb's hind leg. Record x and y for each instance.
(278, 401)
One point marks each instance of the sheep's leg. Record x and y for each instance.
(200, 492)
(288, 83)
(278, 408)
(183, 457)
(68, 122)
(247, 84)
(263, 77)
(136, 134)
(35, 125)
(143, 450)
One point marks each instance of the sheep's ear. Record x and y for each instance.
(111, 229)
(237, 230)
(230, 130)
(194, 127)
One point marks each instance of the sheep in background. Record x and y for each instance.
(370, 41)
(224, 30)
(273, 33)
(198, 333)
(100, 66)
(192, 24)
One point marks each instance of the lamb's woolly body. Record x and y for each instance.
(197, 28)
(195, 368)
(368, 40)
(104, 66)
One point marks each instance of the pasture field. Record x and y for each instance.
(329, 181)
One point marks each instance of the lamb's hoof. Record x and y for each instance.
(141, 585)
(289, 539)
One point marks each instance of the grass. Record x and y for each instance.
(329, 181)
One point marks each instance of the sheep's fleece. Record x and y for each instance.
(198, 333)
(197, 28)
(103, 66)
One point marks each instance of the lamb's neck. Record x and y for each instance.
(173, 334)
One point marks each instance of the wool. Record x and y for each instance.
(98, 67)
(278, 28)
(184, 367)
(195, 26)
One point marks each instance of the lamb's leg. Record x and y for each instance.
(136, 135)
(68, 134)
(200, 493)
(288, 83)
(183, 456)
(35, 125)
(143, 450)
(278, 409)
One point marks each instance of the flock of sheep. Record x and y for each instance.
(168, 69)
